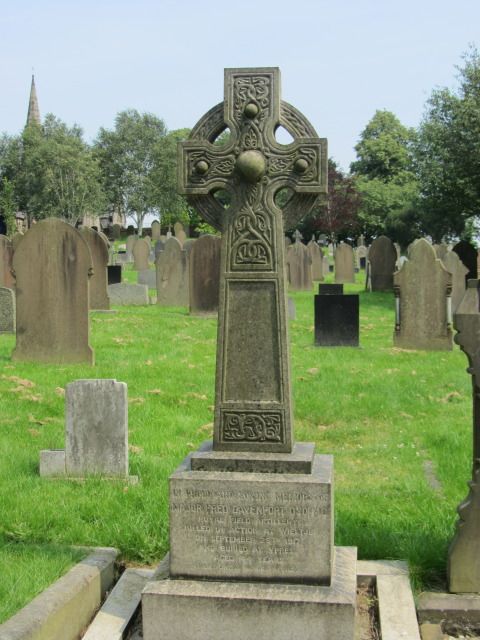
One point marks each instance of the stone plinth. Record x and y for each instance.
(208, 610)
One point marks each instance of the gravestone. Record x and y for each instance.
(141, 253)
(131, 240)
(325, 289)
(52, 267)
(344, 263)
(361, 240)
(204, 275)
(316, 256)
(251, 522)
(125, 293)
(155, 230)
(382, 257)
(299, 265)
(159, 246)
(464, 554)
(6, 256)
(423, 304)
(16, 239)
(172, 275)
(114, 273)
(98, 281)
(116, 231)
(441, 250)
(180, 234)
(96, 432)
(468, 255)
(287, 242)
(7, 310)
(148, 277)
(362, 253)
(337, 319)
(455, 266)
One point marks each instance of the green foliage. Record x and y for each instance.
(448, 154)
(8, 205)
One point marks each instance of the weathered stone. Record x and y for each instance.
(437, 607)
(6, 257)
(125, 294)
(455, 266)
(441, 250)
(299, 263)
(361, 255)
(382, 257)
(159, 246)
(96, 438)
(180, 234)
(397, 611)
(52, 266)
(116, 231)
(329, 289)
(114, 273)
(172, 275)
(148, 277)
(155, 231)
(7, 310)
(337, 320)
(316, 254)
(344, 263)
(141, 253)
(204, 274)
(464, 552)
(468, 255)
(131, 240)
(422, 290)
(16, 239)
(98, 282)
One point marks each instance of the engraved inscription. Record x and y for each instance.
(243, 426)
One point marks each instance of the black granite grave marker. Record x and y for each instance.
(328, 289)
(114, 273)
(337, 320)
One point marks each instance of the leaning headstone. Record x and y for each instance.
(464, 554)
(52, 266)
(6, 257)
(344, 263)
(337, 318)
(299, 265)
(141, 253)
(114, 273)
(155, 230)
(316, 255)
(204, 275)
(98, 281)
(468, 255)
(180, 234)
(7, 310)
(422, 296)
(172, 275)
(125, 293)
(96, 432)
(455, 266)
(131, 240)
(382, 257)
(251, 514)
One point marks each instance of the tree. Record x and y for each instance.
(128, 157)
(384, 171)
(448, 154)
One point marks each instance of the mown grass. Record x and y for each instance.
(382, 412)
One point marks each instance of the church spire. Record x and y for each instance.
(33, 110)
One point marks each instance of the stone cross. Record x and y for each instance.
(253, 400)
(298, 236)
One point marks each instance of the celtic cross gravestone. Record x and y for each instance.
(252, 411)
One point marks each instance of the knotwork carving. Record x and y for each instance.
(252, 427)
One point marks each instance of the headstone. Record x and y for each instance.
(7, 310)
(337, 322)
(362, 253)
(204, 275)
(141, 253)
(287, 242)
(292, 311)
(98, 281)
(6, 257)
(96, 432)
(155, 230)
(326, 264)
(251, 520)
(52, 266)
(114, 273)
(299, 264)
(455, 266)
(326, 289)
(128, 294)
(423, 305)
(464, 554)
(382, 257)
(316, 256)
(361, 240)
(172, 275)
(16, 239)
(441, 250)
(180, 234)
(322, 240)
(159, 246)
(344, 263)
(468, 255)
(131, 240)
(116, 231)
(148, 277)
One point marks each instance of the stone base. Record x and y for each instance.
(207, 610)
(425, 343)
(299, 461)
(53, 465)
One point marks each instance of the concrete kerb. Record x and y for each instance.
(437, 609)
(64, 609)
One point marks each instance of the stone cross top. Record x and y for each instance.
(253, 399)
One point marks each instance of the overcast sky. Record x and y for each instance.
(340, 60)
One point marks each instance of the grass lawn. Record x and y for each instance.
(385, 414)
